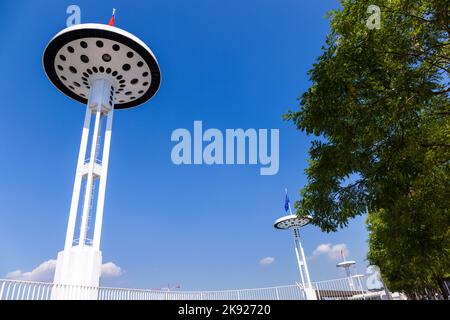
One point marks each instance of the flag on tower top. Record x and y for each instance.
(286, 202)
(113, 18)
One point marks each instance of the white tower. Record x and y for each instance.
(105, 68)
(347, 265)
(293, 222)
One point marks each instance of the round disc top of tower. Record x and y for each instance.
(346, 264)
(82, 53)
(292, 221)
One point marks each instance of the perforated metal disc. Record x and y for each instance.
(82, 53)
(346, 264)
(291, 221)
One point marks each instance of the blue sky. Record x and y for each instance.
(230, 64)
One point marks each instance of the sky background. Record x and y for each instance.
(231, 64)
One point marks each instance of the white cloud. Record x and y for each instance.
(322, 249)
(267, 260)
(332, 251)
(110, 269)
(43, 272)
(46, 270)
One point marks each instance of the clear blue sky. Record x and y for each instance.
(231, 64)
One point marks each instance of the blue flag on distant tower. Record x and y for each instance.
(286, 202)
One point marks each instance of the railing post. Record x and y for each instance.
(42, 292)
(362, 288)
(13, 291)
(2, 289)
(28, 291)
(48, 291)
(21, 291)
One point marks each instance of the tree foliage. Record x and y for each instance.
(379, 106)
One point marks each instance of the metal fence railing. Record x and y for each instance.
(353, 288)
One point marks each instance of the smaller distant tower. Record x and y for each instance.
(291, 221)
(347, 265)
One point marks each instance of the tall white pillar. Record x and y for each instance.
(79, 264)
(102, 187)
(78, 180)
(303, 267)
(350, 278)
(299, 258)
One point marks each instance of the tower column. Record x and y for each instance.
(303, 266)
(78, 179)
(299, 256)
(103, 178)
(302, 253)
(80, 262)
(88, 192)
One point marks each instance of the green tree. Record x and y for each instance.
(379, 106)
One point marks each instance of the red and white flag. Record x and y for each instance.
(113, 18)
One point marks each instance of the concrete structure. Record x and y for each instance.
(105, 68)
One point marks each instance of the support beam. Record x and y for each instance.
(78, 179)
(103, 178)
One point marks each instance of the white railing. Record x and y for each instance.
(353, 288)
(339, 289)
